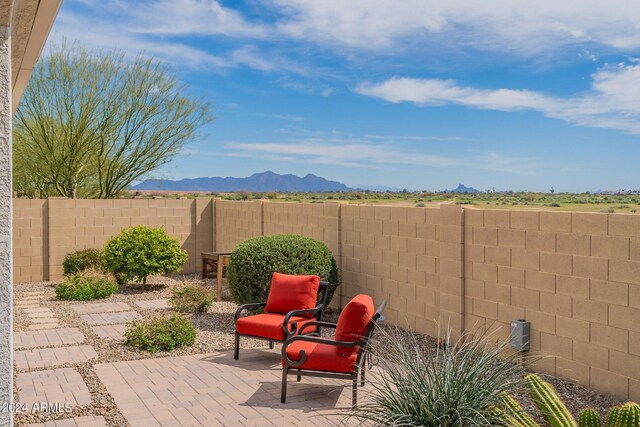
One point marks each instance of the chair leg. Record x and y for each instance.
(271, 345)
(236, 349)
(298, 377)
(283, 392)
(354, 392)
(363, 370)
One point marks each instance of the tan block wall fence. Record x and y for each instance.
(575, 276)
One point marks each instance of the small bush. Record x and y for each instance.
(75, 262)
(162, 334)
(462, 384)
(140, 251)
(86, 285)
(420, 205)
(190, 298)
(253, 262)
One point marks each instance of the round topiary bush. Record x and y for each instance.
(77, 261)
(253, 262)
(86, 285)
(140, 251)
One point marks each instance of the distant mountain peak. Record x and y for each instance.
(258, 182)
(461, 188)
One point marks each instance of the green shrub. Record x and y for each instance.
(75, 262)
(140, 251)
(86, 285)
(190, 298)
(462, 384)
(162, 334)
(253, 262)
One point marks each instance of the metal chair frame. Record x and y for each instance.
(317, 311)
(359, 366)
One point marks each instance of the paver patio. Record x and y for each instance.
(41, 326)
(47, 338)
(50, 357)
(215, 390)
(153, 303)
(100, 307)
(110, 332)
(62, 386)
(88, 421)
(110, 318)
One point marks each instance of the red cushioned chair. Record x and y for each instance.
(293, 301)
(341, 357)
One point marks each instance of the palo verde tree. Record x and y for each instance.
(92, 122)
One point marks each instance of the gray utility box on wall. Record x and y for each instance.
(520, 334)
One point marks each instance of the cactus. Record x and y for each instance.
(515, 415)
(589, 418)
(547, 400)
(612, 417)
(628, 415)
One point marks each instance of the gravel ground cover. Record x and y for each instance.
(214, 333)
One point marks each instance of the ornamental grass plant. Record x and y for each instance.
(461, 383)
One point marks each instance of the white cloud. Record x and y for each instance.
(177, 17)
(155, 26)
(203, 17)
(613, 101)
(286, 117)
(366, 153)
(517, 26)
(417, 138)
(103, 35)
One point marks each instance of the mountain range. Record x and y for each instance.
(258, 182)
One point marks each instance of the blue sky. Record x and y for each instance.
(417, 94)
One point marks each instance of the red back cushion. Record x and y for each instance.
(353, 322)
(289, 292)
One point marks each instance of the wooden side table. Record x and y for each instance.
(218, 261)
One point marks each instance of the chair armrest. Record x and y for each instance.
(292, 313)
(318, 340)
(316, 323)
(246, 307)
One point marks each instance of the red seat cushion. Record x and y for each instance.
(321, 357)
(291, 292)
(268, 325)
(353, 322)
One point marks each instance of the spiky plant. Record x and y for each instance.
(546, 398)
(462, 384)
(626, 415)
(517, 416)
(588, 417)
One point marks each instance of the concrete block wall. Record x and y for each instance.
(30, 240)
(393, 253)
(575, 276)
(320, 221)
(46, 230)
(235, 222)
